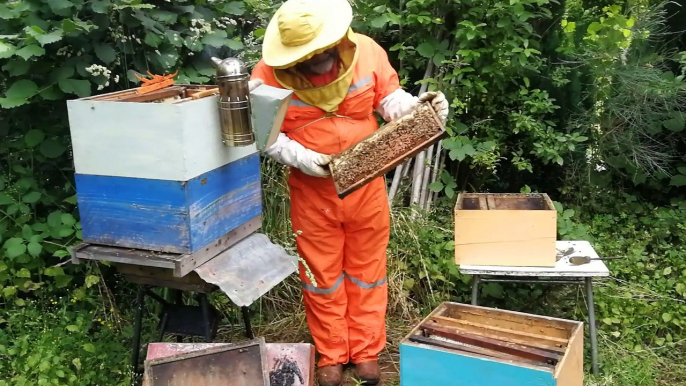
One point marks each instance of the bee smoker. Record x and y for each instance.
(234, 102)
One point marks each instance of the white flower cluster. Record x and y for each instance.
(98, 70)
(224, 22)
(250, 40)
(592, 157)
(200, 27)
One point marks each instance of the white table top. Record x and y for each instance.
(596, 268)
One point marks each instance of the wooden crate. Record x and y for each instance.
(462, 345)
(155, 175)
(380, 170)
(505, 230)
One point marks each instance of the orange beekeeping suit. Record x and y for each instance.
(343, 241)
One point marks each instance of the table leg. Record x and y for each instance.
(475, 290)
(592, 324)
(137, 328)
(246, 320)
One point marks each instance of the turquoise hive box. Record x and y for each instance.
(462, 345)
(155, 174)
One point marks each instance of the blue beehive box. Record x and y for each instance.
(155, 175)
(462, 345)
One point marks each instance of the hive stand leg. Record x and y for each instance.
(178, 295)
(475, 290)
(592, 325)
(205, 306)
(246, 320)
(136, 347)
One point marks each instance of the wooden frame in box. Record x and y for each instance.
(427, 364)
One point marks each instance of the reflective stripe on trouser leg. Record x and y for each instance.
(320, 240)
(367, 230)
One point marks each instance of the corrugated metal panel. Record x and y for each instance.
(249, 269)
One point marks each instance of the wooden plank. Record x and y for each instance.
(495, 226)
(163, 283)
(126, 256)
(483, 203)
(517, 350)
(570, 371)
(479, 351)
(509, 202)
(187, 263)
(395, 162)
(72, 251)
(534, 323)
(491, 202)
(493, 319)
(239, 364)
(163, 277)
(519, 337)
(525, 253)
(154, 95)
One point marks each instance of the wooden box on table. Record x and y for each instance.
(462, 345)
(505, 230)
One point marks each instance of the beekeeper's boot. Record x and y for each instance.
(330, 375)
(368, 372)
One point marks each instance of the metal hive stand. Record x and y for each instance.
(151, 269)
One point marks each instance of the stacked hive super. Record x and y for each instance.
(155, 175)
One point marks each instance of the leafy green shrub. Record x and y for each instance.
(645, 304)
(60, 342)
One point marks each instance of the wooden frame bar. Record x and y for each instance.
(392, 164)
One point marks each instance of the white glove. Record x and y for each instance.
(293, 154)
(438, 102)
(396, 105)
(255, 83)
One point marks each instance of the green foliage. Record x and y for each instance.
(488, 59)
(645, 306)
(60, 342)
(635, 118)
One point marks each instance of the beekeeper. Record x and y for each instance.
(339, 79)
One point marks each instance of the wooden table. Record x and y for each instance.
(562, 273)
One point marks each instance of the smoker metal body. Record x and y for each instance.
(234, 102)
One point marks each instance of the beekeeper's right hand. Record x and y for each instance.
(254, 83)
(292, 153)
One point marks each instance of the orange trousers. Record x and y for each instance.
(344, 245)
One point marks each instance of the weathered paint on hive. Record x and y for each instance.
(169, 216)
(422, 365)
(133, 212)
(224, 198)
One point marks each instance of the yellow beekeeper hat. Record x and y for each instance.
(301, 29)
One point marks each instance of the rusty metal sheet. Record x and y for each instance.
(284, 360)
(249, 269)
(235, 364)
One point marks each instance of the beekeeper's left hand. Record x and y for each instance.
(438, 102)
